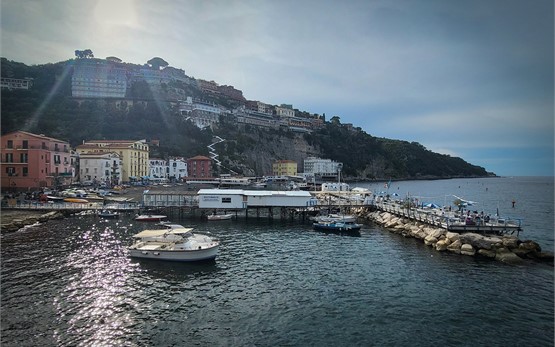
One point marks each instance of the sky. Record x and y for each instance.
(472, 79)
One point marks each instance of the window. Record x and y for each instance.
(226, 200)
(25, 144)
(9, 157)
(10, 171)
(25, 171)
(24, 158)
(10, 144)
(57, 159)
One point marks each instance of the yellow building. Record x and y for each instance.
(284, 168)
(134, 155)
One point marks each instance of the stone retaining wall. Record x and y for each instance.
(508, 249)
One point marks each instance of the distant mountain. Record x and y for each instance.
(49, 109)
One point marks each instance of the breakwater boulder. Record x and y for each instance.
(16, 224)
(506, 248)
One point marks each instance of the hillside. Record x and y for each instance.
(48, 108)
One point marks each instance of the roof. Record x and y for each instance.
(41, 136)
(160, 232)
(290, 193)
(199, 157)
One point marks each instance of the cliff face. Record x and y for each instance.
(251, 151)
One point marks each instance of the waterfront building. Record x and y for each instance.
(242, 199)
(158, 168)
(199, 167)
(177, 168)
(34, 161)
(98, 78)
(16, 83)
(134, 155)
(284, 168)
(322, 168)
(100, 167)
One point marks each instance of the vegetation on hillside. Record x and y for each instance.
(49, 109)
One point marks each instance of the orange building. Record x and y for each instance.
(34, 161)
(199, 167)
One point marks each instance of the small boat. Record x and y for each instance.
(108, 214)
(150, 218)
(76, 200)
(174, 243)
(338, 226)
(220, 216)
(334, 217)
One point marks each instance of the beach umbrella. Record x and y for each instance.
(431, 205)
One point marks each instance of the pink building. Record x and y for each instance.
(30, 161)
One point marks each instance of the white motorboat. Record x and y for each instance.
(174, 243)
(220, 216)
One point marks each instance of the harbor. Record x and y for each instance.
(74, 275)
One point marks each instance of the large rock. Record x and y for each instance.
(455, 247)
(510, 242)
(481, 241)
(467, 249)
(441, 245)
(530, 245)
(451, 236)
(430, 240)
(505, 255)
(487, 253)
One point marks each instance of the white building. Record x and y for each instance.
(241, 199)
(177, 168)
(202, 114)
(322, 167)
(285, 111)
(158, 168)
(100, 167)
(98, 78)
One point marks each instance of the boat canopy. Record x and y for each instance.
(160, 232)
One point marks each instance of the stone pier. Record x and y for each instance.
(507, 248)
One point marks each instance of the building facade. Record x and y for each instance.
(34, 161)
(100, 168)
(323, 168)
(284, 168)
(98, 78)
(199, 167)
(134, 155)
(177, 168)
(16, 83)
(158, 168)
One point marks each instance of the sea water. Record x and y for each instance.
(279, 283)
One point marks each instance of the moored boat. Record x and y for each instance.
(76, 200)
(337, 226)
(174, 243)
(108, 214)
(220, 216)
(334, 217)
(150, 218)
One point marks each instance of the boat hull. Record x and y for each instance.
(176, 255)
(344, 228)
(220, 217)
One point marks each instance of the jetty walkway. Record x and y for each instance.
(455, 221)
